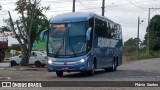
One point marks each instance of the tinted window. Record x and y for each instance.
(103, 29)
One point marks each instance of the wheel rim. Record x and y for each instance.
(113, 66)
(93, 68)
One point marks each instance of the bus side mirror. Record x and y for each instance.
(88, 33)
(42, 34)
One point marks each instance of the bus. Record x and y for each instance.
(83, 42)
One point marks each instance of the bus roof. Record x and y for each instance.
(76, 17)
(71, 17)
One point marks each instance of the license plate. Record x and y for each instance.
(65, 68)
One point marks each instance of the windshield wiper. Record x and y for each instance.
(71, 47)
(59, 49)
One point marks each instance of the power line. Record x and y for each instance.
(146, 17)
(70, 10)
(68, 1)
(85, 6)
(136, 5)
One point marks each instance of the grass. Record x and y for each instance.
(142, 55)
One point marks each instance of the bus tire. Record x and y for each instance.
(59, 73)
(91, 72)
(113, 68)
(116, 64)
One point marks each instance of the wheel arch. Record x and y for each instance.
(117, 60)
(95, 62)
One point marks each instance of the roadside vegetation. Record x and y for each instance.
(134, 51)
(27, 27)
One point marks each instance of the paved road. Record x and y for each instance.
(144, 70)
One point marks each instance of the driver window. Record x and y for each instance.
(91, 24)
(33, 54)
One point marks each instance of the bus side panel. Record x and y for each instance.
(104, 54)
(97, 52)
(120, 52)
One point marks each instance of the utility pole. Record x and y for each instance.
(148, 35)
(73, 10)
(138, 37)
(103, 7)
(147, 50)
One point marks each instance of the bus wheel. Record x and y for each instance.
(92, 72)
(113, 68)
(59, 73)
(116, 65)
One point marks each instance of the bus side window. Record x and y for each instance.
(120, 32)
(98, 28)
(109, 30)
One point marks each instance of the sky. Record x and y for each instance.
(124, 12)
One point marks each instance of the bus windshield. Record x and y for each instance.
(67, 39)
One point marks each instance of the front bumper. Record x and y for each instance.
(69, 68)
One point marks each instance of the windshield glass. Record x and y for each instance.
(56, 39)
(67, 39)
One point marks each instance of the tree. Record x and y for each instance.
(130, 45)
(14, 47)
(4, 28)
(28, 26)
(154, 33)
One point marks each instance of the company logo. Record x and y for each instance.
(6, 84)
(65, 63)
(20, 84)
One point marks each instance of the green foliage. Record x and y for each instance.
(144, 55)
(154, 33)
(14, 47)
(33, 10)
(38, 45)
(154, 38)
(29, 25)
(4, 28)
(130, 51)
(130, 46)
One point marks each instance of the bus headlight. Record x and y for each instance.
(50, 61)
(82, 60)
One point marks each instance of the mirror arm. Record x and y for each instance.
(42, 34)
(88, 33)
